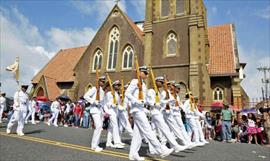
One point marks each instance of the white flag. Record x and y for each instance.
(14, 68)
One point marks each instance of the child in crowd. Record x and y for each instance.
(252, 131)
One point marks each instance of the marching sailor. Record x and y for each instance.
(2, 105)
(113, 102)
(21, 102)
(55, 109)
(136, 93)
(157, 119)
(95, 96)
(31, 111)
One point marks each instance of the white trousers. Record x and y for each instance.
(16, 117)
(98, 121)
(124, 122)
(179, 121)
(54, 117)
(169, 119)
(113, 131)
(31, 113)
(163, 129)
(142, 128)
(1, 113)
(191, 121)
(199, 129)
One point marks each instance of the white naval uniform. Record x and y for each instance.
(142, 127)
(178, 118)
(21, 102)
(169, 118)
(31, 111)
(197, 116)
(191, 120)
(123, 117)
(55, 109)
(96, 110)
(2, 106)
(112, 110)
(158, 120)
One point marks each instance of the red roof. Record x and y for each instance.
(222, 50)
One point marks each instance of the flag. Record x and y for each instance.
(14, 68)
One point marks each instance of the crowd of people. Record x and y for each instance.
(155, 115)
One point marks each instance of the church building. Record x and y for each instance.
(174, 39)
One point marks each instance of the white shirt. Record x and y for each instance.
(109, 106)
(187, 109)
(21, 101)
(151, 101)
(2, 102)
(132, 94)
(90, 96)
(55, 106)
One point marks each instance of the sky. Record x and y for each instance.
(35, 30)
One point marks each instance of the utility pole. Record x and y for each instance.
(265, 81)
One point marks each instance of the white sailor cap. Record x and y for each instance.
(177, 85)
(172, 82)
(102, 78)
(143, 69)
(117, 82)
(160, 79)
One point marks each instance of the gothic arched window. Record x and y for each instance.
(113, 48)
(171, 44)
(180, 6)
(218, 94)
(97, 61)
(128, 55)
(164, 6)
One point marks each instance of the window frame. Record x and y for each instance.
(218, 95)
(114, 53)
(97, 55)
(128, 57)
(167, 44)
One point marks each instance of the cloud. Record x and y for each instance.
(20, 38)
(139, 6)
(264, 13)
(252, 83)
(100, 9)
(59, 38)
(214, 10)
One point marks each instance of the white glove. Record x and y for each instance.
(139, 104)
(113, 106)
(157, 104)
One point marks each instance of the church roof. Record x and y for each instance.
(60, 67)
(52, 88)
(223, 50)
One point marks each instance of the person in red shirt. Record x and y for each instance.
(77, 111)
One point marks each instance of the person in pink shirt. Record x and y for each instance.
(252, 130)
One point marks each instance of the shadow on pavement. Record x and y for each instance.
(35, 131)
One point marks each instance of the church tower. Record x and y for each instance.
(176, 43)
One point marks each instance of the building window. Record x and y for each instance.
(180, 6)
(171, 44)
(218, 94)
(97, 61)
(165, 4)
(113, 48)
(128, 58)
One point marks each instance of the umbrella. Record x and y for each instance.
(217, 104)
(63, 98)
(42, 98)
(248, 111)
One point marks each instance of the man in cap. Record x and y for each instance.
(157, 118)
(142, 127)
(176, 109)
(21, 102)
(31, 110)
(189, 110)
(94, 97)
(227, 120)
(3, 105)
(55, 109)
(112, 102)
(123, 116)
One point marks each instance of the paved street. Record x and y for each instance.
(42, 142)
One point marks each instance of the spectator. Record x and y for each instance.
(218, 127)
(86, 118)
(78, 114)
(208, 127)
(227, 119)
(252, 131)
(243, 129)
